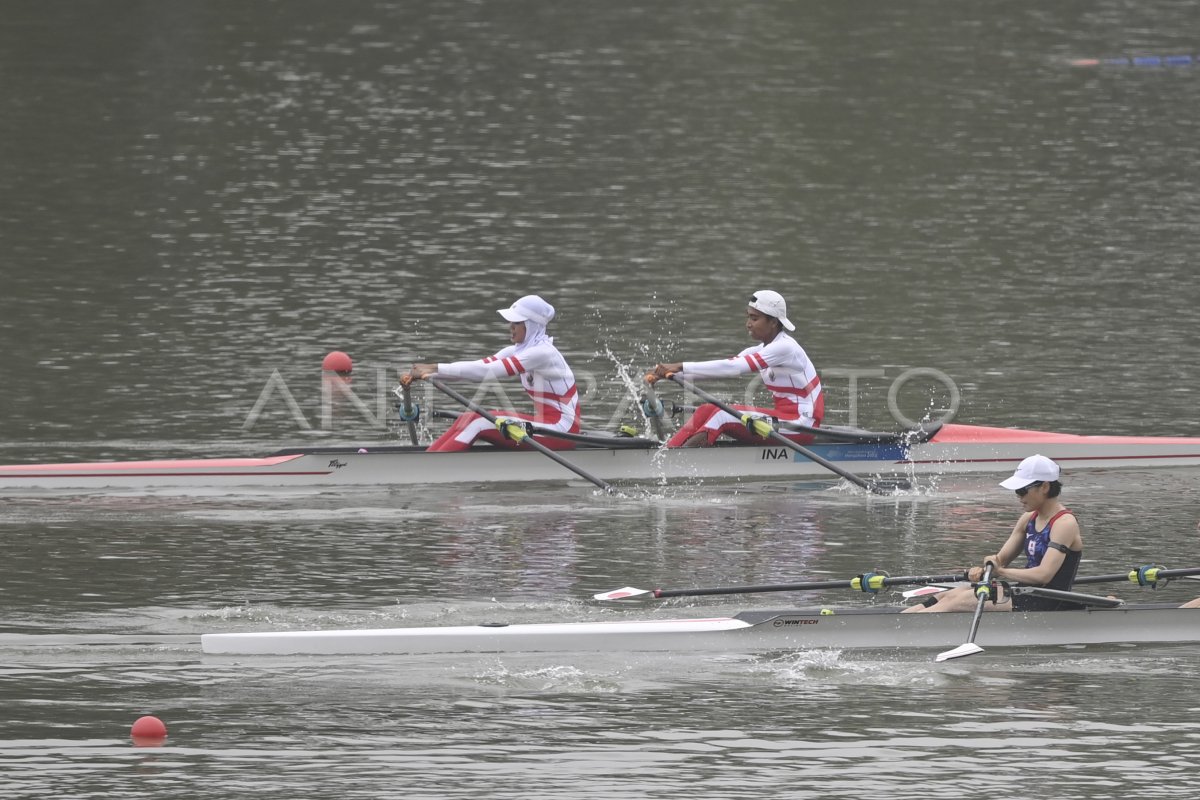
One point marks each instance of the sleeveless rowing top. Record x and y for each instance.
(1036, 544)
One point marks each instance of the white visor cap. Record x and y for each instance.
(530, 307)
(1031, 470)
(773, 305)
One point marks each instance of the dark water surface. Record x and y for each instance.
(199, 200)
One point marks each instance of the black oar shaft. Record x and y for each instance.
(536, 445)
(874, 581)
(770, 587)
(868, 583)
(1131, 575)
(783, 440)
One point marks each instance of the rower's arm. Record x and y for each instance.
(730, 367)
(502, 365)
(1014, 545)
(1064, 534)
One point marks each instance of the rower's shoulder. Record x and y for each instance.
(1065, 522)
(783, 345)
(1065, 513)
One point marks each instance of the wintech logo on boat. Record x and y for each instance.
(784, 622)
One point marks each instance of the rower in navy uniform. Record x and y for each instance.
(1047, 533)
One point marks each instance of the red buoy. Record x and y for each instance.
(148, 732)
(338, 362)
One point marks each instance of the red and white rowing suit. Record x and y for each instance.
(546, 378)
(787, 373)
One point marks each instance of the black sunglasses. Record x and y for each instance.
(1024, 490)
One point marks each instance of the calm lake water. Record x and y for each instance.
(198, 201)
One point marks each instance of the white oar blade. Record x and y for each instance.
(924, 591)
(624, 593)
(968, 649)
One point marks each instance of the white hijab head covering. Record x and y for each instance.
(536, 313)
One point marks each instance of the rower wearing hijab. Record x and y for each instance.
(786, 370)
(541, 368)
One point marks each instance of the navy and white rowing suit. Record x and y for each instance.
(1036, 544)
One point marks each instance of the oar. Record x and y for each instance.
(764, 429)
(983, 590)
(867, 582)
(518, 434)
(1142, 576)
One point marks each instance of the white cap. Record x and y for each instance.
(773, 305)
(529, 307)
(1031, 470)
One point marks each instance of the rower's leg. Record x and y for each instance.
(461, 434)
(693, 428)
(961, 599)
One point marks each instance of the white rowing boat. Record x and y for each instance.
(750, 631)
(938, 449)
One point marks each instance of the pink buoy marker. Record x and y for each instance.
(148, 731)
(338, 362)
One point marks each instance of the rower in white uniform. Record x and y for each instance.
(535, 361)
(787, 373)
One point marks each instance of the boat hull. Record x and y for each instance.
(755, 631)
(953, 449)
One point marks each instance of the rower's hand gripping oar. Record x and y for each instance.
(983, 590)
(764, 429)
(517, 433)
(870, 582)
